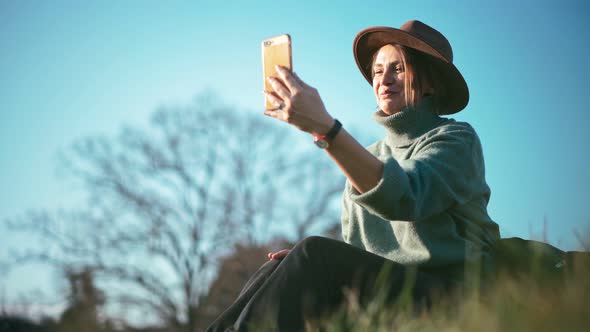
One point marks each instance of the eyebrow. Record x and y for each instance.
(394, 63)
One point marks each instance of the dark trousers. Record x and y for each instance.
(310, 280)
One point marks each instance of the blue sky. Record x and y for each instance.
(75, 68)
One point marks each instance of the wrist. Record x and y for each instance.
(324, 141)
(323, 127)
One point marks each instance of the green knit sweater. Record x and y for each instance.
(430, 206)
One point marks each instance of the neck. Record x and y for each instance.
(409, 123)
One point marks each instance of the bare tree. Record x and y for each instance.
(165, 203)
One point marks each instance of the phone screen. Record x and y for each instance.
(275, 51)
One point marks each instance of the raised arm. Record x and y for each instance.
(302, 107)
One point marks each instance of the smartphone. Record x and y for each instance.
(275, 51)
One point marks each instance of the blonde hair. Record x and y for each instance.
(422, 77)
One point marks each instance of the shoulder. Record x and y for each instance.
(452, 139)
(452, 130)
(453, 142)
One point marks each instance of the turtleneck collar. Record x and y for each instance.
(408, 124)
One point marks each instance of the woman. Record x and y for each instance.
(415, 201)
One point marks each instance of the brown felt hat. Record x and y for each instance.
(421, 37)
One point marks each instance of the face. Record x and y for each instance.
(388, 80)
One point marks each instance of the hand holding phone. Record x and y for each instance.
(275, 51)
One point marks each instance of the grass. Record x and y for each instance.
(512, 303)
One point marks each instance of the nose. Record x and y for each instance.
(388, 77)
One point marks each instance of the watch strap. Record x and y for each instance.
(333, 131)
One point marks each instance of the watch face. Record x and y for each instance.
(321, 143)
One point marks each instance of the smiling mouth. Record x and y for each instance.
(388, 94)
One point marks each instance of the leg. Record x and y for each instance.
(309, 281)
(229, 316)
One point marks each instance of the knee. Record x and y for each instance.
(308, 253)
(310, 242)
(314, 246)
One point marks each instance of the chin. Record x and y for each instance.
(390, 110)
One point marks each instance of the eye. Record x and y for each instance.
(377, 72)
(399, 69)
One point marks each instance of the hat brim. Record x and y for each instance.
(370, 40)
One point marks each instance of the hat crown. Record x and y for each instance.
(430, 36)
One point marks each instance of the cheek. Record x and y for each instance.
(375, 88)
(401, 79)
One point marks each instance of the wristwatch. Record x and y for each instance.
(323, 141)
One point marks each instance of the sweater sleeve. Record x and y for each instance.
(345, 221)
(445, 169)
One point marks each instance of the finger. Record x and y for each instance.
(274, 99)
(280, 113)
(277, 114)
(282, 253)
(279, 87)
(288, 79)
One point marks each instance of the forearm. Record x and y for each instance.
(363, 170)
(302, 107)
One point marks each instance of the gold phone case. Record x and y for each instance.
(275, 51)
